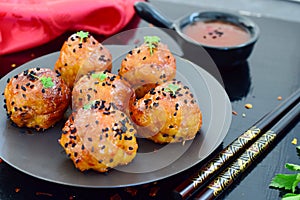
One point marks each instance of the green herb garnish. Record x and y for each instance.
(292, 167)
(172, 88)
(288, 181)
(46, 81)
(90, 104)
(100, 76)
(82, 35)
(151, 42)
(291, 196)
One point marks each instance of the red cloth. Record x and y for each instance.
(28, 23)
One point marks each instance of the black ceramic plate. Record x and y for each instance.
(40, 155)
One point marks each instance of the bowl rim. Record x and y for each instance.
(247, 23)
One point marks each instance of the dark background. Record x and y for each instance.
(272, 70)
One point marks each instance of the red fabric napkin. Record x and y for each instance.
(28, 23)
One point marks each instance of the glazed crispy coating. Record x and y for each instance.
(99, 138)
(102, 86)
(30, 104)
(167, 116)
(144, 70)
(78, 58)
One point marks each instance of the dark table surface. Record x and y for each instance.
(272, 70)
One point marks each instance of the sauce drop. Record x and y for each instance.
(216, 33)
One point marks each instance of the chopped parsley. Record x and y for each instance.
(82, 35)
(288, 181)
(172, 88)
(47, 82)
(100, 76)
(151, 42)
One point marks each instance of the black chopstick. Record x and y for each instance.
(250, 155)
(198, 180)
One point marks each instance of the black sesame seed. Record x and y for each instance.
(106, 113)
(23, 88)
(128, 138)
(43, 90)
(24, 96)
(155, 104)
(88, 97)
(90, 139)
(25, 72)
(130, 148)
(111, 160)
(73, 130)
(131, 130)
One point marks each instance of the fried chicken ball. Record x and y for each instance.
(36, 98)
(167, 114)
(145, 69)
(81, 55)
(102, 86)
(99, 138)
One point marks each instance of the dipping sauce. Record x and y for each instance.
(216, 33)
